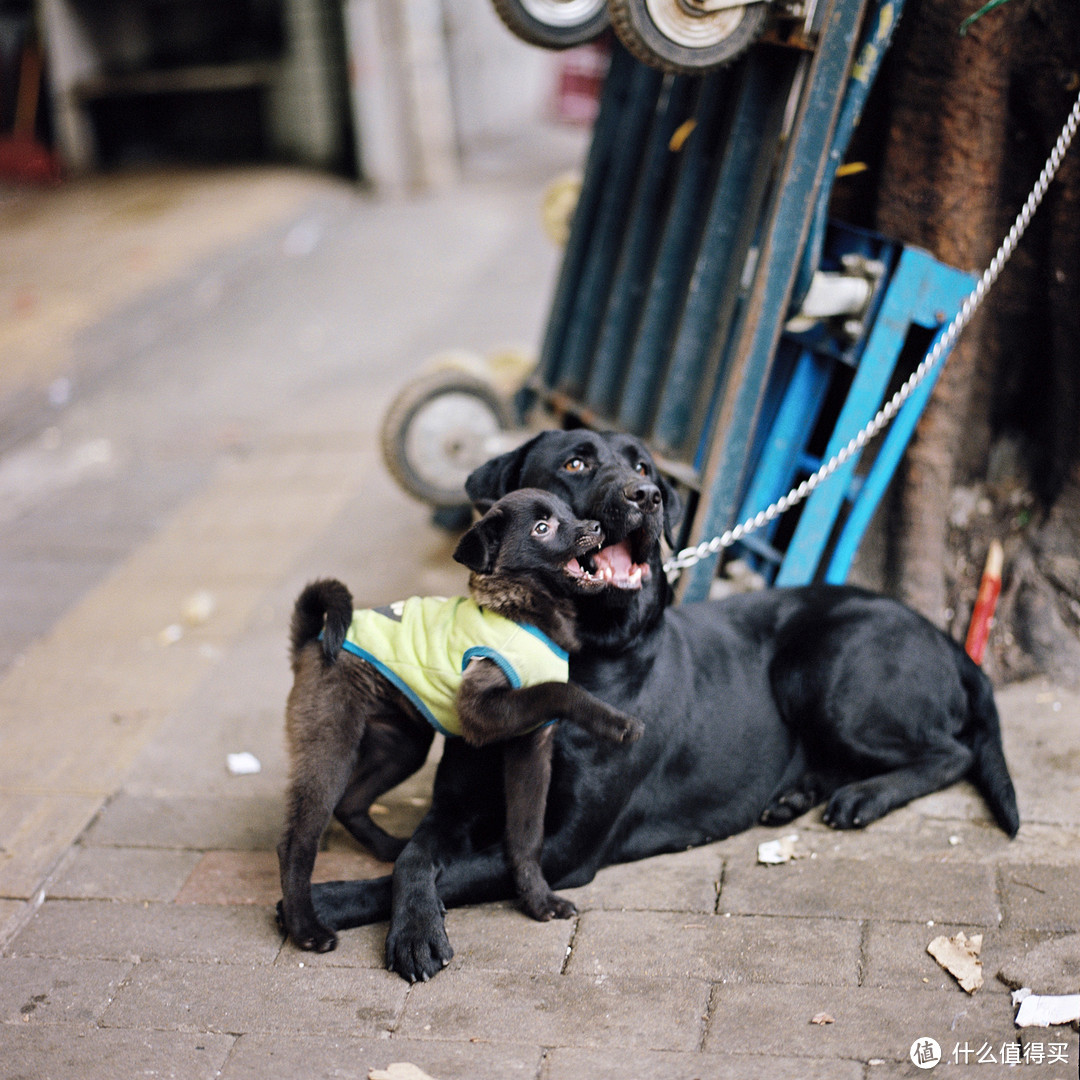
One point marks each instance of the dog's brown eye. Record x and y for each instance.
(541, 528)
(574, 465)
(641, 468)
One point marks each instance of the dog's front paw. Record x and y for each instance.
(418, 950)
(546, 906)
(622, 728)
(306, 933)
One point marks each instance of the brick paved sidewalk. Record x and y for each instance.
(137, 877)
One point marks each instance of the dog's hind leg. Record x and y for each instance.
(324, 731)
(527, 775)
(389, 754)
(311, 799)
(856, 805)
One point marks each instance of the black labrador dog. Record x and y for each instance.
(756, 708)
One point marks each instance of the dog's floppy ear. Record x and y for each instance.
(672, 509)
(479, 547)
(495, 478)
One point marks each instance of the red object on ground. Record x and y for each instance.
(983, 614)
(22, 157)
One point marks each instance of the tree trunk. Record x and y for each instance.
(941, 190)
(967, 124)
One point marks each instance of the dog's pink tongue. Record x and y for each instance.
(616, 558)
(616, 566)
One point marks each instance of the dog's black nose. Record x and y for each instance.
(644, 494)
(592, 528)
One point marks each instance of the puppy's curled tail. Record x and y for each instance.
(989, 772)
(324, 607)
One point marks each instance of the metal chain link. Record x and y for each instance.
(944, 342)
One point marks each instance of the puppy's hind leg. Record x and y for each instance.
(389, 754)
(323, 739)
(527, 775)
(310, 801)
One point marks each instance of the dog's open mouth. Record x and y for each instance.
(609, 566)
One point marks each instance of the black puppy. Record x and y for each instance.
(371, 688)
(755, 708)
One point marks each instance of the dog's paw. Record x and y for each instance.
(418, 951)
(546, 905)
(307, 934)
(620, 728)
(785, 808)
(854, 807)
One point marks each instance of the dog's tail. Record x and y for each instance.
(324, 607)
(989, 773)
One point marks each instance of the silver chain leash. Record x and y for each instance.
(692, 555)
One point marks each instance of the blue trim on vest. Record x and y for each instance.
(485, 652)
(562, 654)
(404, 687)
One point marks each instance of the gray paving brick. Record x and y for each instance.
(861, 889)
(34, 990)
(499, 937)
(266, 1057)
(868, 1023)
(239, 823)
(895, 956)
(1048, 967)
(123, 874)
(712, 947)
(558, 1010)
(974, 1069)
(361, 947)
(1054, 1049)
(617, 1063)
(1039, 730)
(234, 999)
(61, 1052)
(1042, 897)
(684, 881)
(111, 931)
(489, 937)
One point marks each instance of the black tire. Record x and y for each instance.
(540, 22)
(431, 464)
(638, 31)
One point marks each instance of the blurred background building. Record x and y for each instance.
(392, 92)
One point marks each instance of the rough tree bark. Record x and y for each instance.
(966, 123)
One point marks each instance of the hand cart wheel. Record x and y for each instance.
(438, 429)
(688, 36)
(554, 24)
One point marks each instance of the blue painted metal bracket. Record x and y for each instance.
(758, 328)
(919, 291)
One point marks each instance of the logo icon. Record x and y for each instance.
(925, 1053)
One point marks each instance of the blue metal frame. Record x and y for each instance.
(684, 261)
(916, 291)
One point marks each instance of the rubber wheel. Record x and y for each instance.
(554, 24)
(668, 35)
(436, 431)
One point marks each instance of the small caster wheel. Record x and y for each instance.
(438, 429)
(688, 37)
(554, 24)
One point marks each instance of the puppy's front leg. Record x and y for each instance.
(595, 716)
(490, 710)
(526, 776)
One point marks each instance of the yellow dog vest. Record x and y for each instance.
(423, 645)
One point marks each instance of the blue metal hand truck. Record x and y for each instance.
(706, 304)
